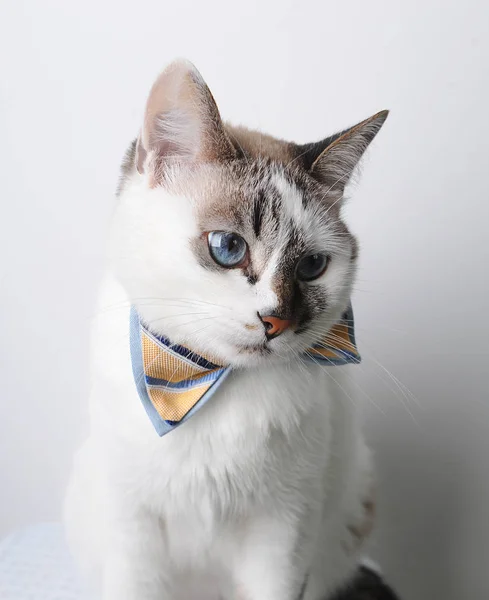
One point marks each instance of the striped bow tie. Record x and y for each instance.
(173, 382)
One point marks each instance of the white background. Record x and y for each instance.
(74, 76)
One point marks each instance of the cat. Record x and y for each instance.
(227, 245)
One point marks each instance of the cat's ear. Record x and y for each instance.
(181, 122)
(333, 160)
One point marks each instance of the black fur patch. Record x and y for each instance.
(258, 210)
(366, 585)
(251, 277)
(307, 154)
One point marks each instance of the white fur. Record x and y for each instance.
(292, 198)
(258, 490)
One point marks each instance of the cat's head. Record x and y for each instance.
(228, 241)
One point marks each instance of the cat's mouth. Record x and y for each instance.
(259, 352)
(262, 349)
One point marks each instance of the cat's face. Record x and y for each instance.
(230, 244)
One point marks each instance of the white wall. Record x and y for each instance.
(74, 76)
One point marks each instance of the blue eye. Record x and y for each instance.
(227, 249)
(311, 267)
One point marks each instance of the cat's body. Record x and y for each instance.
(268, 488)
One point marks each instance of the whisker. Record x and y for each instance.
(407, 395)
(326, 370)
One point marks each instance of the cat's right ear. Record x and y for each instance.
(333, 160)
(181, 123)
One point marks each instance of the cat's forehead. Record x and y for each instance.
(260, 195)
(282, 217)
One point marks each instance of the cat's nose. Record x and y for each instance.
(274, 326)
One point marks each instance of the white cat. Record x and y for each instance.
(228, 243)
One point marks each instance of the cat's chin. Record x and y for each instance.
(250, 360)
(250, 356)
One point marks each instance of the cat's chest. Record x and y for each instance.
(259, 437)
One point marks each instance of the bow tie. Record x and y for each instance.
(174, 383)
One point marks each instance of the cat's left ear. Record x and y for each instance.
(333, 160)
(181, 123)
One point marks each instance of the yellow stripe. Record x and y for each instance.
(338, 338)
(162, 364)
(173, 406)
(324, 352)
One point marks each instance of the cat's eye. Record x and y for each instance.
(311, 267)
(229, 250)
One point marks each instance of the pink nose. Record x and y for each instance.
(274, 326)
